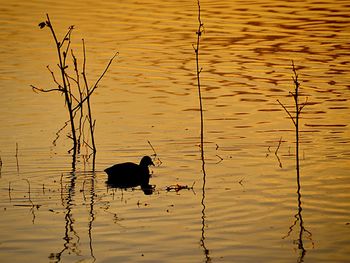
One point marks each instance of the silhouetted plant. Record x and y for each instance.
(0, 166)
(62, 47)
(198, 72)
(156, 159)
(196, 47)
(16, 155)
(76, 91)
(295, 119)
(298, 109)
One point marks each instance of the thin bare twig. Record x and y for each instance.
(198, 72)
(95, 86)
(287, 111)
(278, 147)
(220, 159)
(17, 158)
(155, 154)
(304, 104)
(58, 133)
(0, 166)
(32, 205)
(35, 89)
(91, 123)
(65, 86)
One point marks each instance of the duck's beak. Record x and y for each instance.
(152, 164)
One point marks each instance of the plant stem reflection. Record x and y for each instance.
(67, 198)
(202, 241)
(302, 230)
(91, 213)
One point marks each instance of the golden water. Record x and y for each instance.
(248, 208)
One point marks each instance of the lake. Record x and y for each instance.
(247, 204)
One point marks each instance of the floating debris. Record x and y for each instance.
(177, 187)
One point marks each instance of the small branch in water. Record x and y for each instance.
(155, 154)
(279, 161)
(279, 144)
(0, 166)
(178, 187)
(9, 191)
(32, 205)
(17, 158)
(58, 133)
(268, 149)
(220, 159)
(276, 153)
(96, 83)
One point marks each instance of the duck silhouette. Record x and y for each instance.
(124, 175)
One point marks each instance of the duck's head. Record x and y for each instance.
(146, 161)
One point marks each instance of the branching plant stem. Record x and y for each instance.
(296, 118)
(62, 66)
(75, 89)
(198, 72)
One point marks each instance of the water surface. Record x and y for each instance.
(248, 210)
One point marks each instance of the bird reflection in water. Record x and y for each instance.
(130, 175)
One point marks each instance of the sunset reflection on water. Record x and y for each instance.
(251, 207)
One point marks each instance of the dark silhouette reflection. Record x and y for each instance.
(74, 159)
(0, 166)
(33, 206)
(202, 241)
(276, 152)
(17, 163)
(130, 175)
(147, 189)
(91, 213)
(71, 237)
(299, 218)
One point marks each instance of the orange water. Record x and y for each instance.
(246, 210)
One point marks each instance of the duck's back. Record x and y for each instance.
(126, 174)
(122, 168)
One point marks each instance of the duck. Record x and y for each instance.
(124, 175)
